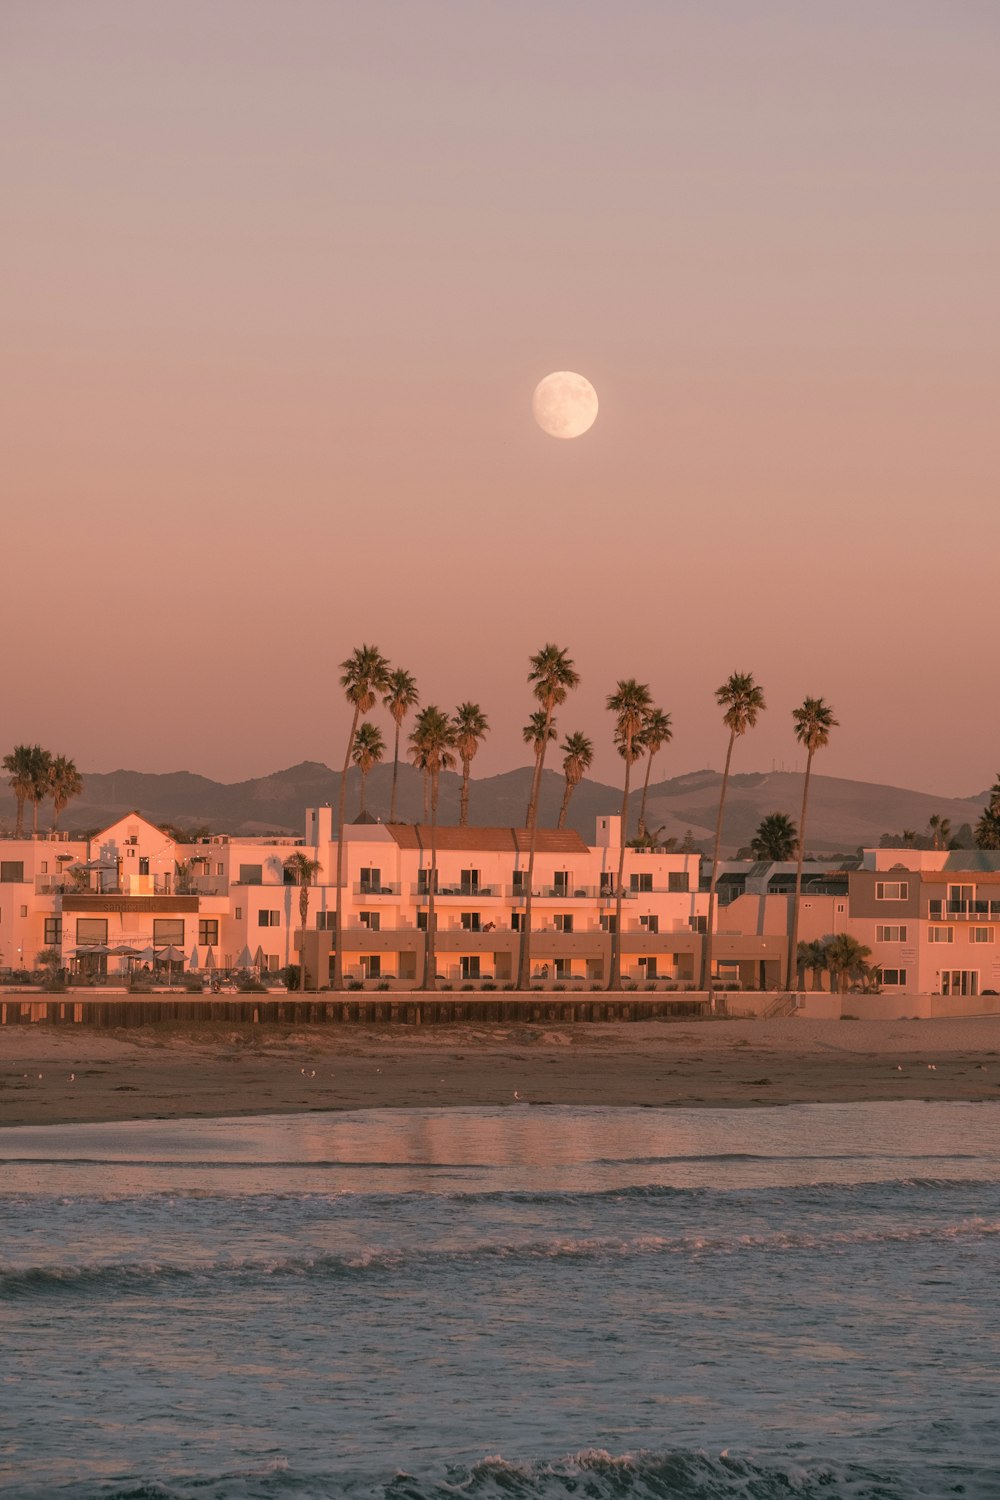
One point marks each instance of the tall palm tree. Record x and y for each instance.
(20, 765)
(552, 675)
(471, 728)
(742, 700)
(400, 696)
(368, 750)
(776, 837)
(657, 731)
(304, 871)
(846, 958)
(536, 734)
(939, 829)
(364, 675)
(988, 827)
(630, 703)
(812, 956)
(65, 783)
(579, 755)
(433, 741)
(813, 722)
(41, 761)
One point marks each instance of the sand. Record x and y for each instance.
(56, 1075)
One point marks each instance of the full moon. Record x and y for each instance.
(564, 404)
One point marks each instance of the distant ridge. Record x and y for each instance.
(843, 813)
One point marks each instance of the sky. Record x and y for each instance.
(280, 278)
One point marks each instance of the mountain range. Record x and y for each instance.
(843, 814)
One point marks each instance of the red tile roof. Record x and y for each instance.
(503, 840)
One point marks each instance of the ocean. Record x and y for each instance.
(429, 1304)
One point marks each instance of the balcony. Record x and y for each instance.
(385, 888)
(964, 911)
(464, 893)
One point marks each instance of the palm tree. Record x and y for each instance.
(20, 766)
(579, 756)
(367, 751)
(776, 837)
(552, 675)
(812, 956)
(537, 733)
(988, 827)
(364, 675)
(471, 728)
(656, 732)
(401, 695)
(939, 829)
(433, 741)
(41, 761)
(742, 700)
(813, 722)
(304, 871)
(846, 958)
(65, 783)
(630, 703)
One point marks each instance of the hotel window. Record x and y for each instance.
(607, 885)
(640, 882)
(208, 931)
(251, 875)
(326, 921)
(563, 968)
(519, 883)
(422, 921)
(609, 924)
(11, 871)
(472, 921)
(371, 879)
(143, 864)
(220, 869)
(560, 882)
(892, 890)
(650, 924)
(91, 929)
(961, 895)
(517, 921)
(893, 977)
(24, 911)
(648, 966)
(940, 934)
(890, 934)
(563, 921)
(45, 867)
(423, 882)
(982, 934)
(53, 932)
(470, 966)
(371, 965)
(678, 880)
(239, 913)
(269, 918)
(469, 881)
(168, 930)
(698, 924)
(371, 919)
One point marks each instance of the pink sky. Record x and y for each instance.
(280, 278)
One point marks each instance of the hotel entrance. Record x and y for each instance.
(960, 981)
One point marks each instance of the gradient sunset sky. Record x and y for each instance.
(280, 278)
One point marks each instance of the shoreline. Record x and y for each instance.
(222, 1071)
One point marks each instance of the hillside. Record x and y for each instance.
(843, 813)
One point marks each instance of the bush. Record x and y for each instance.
(596, 987)
(383, 985)
(487, 985)
(355, 984)
(650, 984)
(289, 976)
(140, 989)
(251, 987)
(631, 985)
(537, 989)
(510, 985)
(194, 986)
(468, 986)
(560, 986)
(447, 986)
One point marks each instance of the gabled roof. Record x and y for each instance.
(968, 860)
(488, 840)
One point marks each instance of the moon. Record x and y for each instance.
(564, 404)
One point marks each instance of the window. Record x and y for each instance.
(698, 924)
(422, 921)
(564, 921)
(11, 871)
(562, 968)
(678, 880)
(45, 867)
(239, 913)
(251, 875)
(423, 882)
(650, 924)
(220, 869)
(648, 965)
(607, 886)
(560, 882)
(940, 934)
(208, 931)
(961, 894)
(53, 932)
(470, 966)
(371, 879)
(91, 929)
(640, 882)
(960, 982)
(982, 934)
(519, 886)
(370, 919)
(892, 890)
(168, 930)
(893, 977)
(469, 882)
(24, 911)
(326, 921)
(268, 918)
(143, 864)
(890, 934)
(609, 924)
(472, 921)
(371, 965)
(517, 921)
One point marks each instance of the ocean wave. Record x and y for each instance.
(141, 1276)
(594, 1474)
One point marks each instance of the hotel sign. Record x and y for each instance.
(130, 903)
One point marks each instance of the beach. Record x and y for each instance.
(61, 1075)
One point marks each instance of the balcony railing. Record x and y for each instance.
(385, 888)
(964, 911)
(465, 893)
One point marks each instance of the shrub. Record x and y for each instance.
(383, 984)
(251, 987)
(631, 985)
(193, 986)
(537, 988)
(289, 976)
(560, 986)
(447, 986)
(140, 989)
(487, 985)
(650, 984)
(468, 986)
(596, 987)
(510, 985)
(355, 984)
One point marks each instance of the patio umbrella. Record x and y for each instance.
(170, 956)
(245, 960)
(147, 955)
(210, 959)
(123, 950)
(193, 960)
(258, 958)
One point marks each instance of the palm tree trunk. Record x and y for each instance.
(706, 978)
(35, 805)
(793, 951)
(615, 980)
(567, 794)
(641, 830)
(524, 963)
(395, 777)
(427, 796)
(19, 824)
(463, 816)
(430, 954)
(304, 920)
(364, 791)
(536, 781)
(56, 813)
(338, 922)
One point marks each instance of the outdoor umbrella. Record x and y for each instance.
(210, 958)
(245, 960)
(123, 950)
(193, 962)
(170, 956)
(258, 958)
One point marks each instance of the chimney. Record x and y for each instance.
(609, 832)
(319, 825)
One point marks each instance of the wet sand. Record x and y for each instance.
(54, 1075)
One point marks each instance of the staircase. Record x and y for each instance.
(781, 1005)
